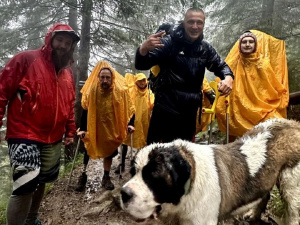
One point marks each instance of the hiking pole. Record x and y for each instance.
(120, 175)
(76, 152)
(131, 145)
(227, 119)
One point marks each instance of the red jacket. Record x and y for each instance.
(40, 102)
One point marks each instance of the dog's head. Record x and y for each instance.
(161, 174)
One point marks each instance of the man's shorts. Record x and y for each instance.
(33, 163)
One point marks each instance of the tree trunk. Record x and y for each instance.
(279, 19)
(267, 15)
(73, 15)
(84, 55)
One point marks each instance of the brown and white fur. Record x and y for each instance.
(191, 184)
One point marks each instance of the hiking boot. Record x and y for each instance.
(107, 184)
(35, 222)
(122, 166)
(81, 182)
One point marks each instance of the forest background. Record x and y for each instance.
(112, 30)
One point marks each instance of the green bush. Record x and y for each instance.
(276, 206)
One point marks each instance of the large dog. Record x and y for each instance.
(191, 184)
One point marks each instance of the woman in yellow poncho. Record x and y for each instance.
(143, 99)
(106, 99)
(260, 89)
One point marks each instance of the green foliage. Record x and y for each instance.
(276, 206)
(23, 24)
(3, 211)
(123, 25)
(65, 170)
(5, 177)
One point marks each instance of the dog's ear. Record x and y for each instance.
(133, 170)
(166, 174)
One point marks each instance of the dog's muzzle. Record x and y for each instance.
(126, 194)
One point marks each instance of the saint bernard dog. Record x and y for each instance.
(190, 184)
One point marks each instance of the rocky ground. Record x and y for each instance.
(63, 205)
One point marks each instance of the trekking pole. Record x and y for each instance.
(76, 152)
(227, 119)
(120, 175)
(131, 145)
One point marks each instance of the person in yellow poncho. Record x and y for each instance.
(143, 99)
(106, 117)
(260, 89)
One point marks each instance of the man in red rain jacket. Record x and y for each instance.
(38, 88)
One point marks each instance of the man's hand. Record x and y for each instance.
(130, 129)
(152, 42)
(68, 141)
(225, 86)
(81, 134)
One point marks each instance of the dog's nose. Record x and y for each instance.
(126, 194)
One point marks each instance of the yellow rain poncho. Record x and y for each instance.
(205, 118)
(109, 112)
(130, 81)
(260, 88)
(144, 100)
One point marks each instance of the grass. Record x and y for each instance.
(276, 206)
(65, 170)
(3, 212)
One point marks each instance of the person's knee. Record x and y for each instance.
(25, 182)
(25, 189)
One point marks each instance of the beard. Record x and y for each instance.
(105, 86)
(60, 58)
